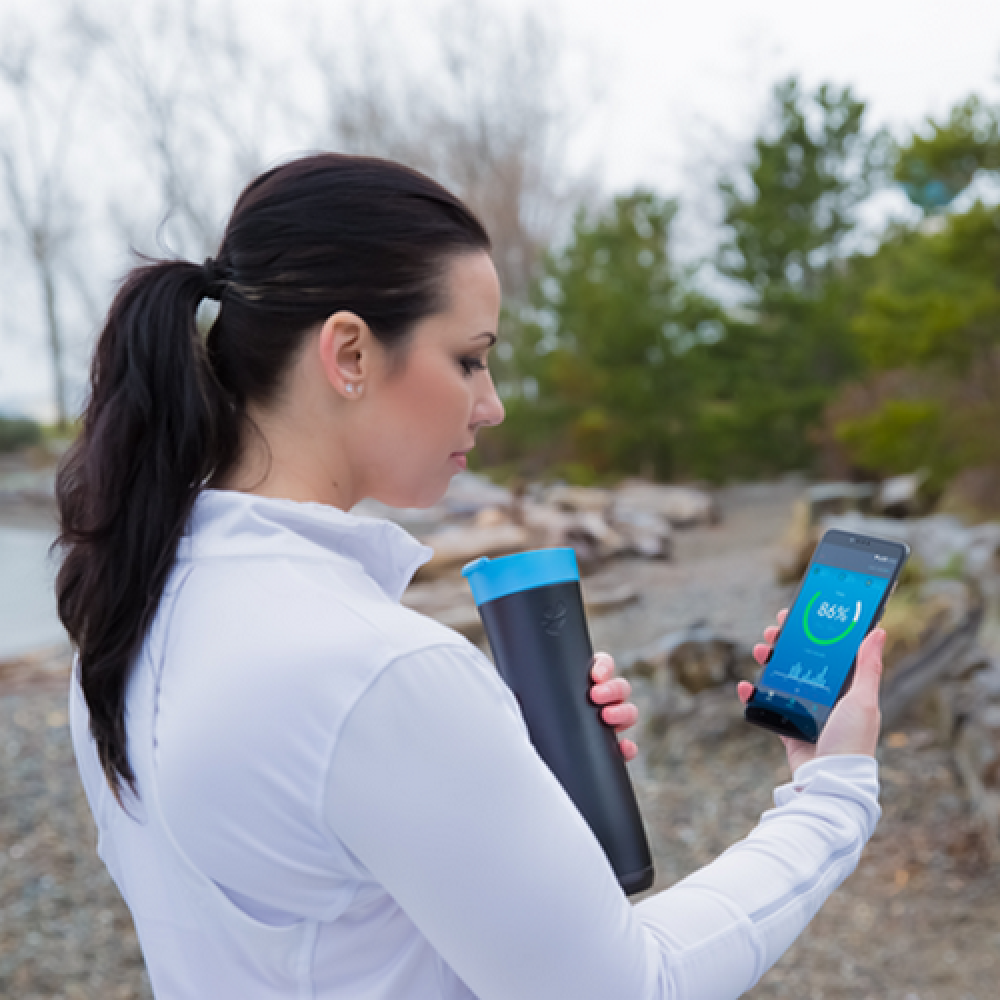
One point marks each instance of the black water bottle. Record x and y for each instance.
(532, 609)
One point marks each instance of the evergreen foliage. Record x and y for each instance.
(611, 351)
(791, 216)
(18, 432)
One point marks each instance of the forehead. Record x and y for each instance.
(470, 307)
(472, 297)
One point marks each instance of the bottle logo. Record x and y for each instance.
(554, 619)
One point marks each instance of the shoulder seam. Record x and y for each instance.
(461, 644)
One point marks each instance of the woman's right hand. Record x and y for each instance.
(854, 723)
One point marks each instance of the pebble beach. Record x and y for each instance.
(919, 919)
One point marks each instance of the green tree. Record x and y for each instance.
(932, 321)
(935, 167)
(928, 328)
(609, 351)
(790, 216)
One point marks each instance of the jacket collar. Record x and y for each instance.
(227, 524)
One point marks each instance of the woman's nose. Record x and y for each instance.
(489, 409)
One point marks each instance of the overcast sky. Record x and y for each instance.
(683, 82)
(670, 65)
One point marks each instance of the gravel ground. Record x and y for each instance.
(919, 920)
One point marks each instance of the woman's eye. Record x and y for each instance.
(470, 365)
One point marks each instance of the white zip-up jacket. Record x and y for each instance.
(338, 799)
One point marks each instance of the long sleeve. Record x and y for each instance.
(436, 790)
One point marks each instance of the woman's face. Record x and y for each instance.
(423, 412)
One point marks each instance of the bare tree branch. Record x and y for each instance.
(492, 120)
(35, 163)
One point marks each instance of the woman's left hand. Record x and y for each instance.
(611, 692)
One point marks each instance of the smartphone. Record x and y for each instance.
(840, 600)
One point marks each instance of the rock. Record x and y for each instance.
(591, 530)
(681, 506)
(977, 757)
(916, 615)
(457, 545)
(818, 504)
(982, 551)
(48, 667)
(973, 495)
(831, 499)
(941, 543)
(796, 548)
(601, 601)
(646, 533)
(940, 648)
(491, 517)
(588, 533)
(580, 499)
(900, 496)
(468, 494)
(697, 657)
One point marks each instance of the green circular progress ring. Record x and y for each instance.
(824, 642)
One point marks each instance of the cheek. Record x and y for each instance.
(428, 418)
(434, 404)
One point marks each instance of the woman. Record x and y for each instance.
(302, 788)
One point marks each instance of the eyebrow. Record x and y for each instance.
(492, 336)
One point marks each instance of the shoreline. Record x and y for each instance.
(29, 515)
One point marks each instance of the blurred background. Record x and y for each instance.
(750, 258)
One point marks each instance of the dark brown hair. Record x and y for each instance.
(167, 414)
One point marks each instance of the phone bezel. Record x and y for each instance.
(778, 722)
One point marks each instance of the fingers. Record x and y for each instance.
(745, 690)
(608, 689)
(869, 670)
(603, 667)
(763, 649)
(620, 716)
(611, 692)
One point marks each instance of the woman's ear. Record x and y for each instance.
(345, 349)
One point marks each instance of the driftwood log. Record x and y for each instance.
(977, 757)
(945, 656)
(684, 684)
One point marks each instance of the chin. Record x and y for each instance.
(417, 496)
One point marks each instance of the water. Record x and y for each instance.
(28, 619)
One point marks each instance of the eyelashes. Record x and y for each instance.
(470, 365)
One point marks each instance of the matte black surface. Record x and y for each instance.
(804, 729)
(542, 649)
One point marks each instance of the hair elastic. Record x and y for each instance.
(205, 316)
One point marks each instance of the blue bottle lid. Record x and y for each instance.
(493, 578)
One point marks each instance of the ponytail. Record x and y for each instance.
(167, 413)
(157, 425)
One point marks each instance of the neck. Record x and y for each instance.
(282, 462)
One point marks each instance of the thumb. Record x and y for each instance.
(869, 672)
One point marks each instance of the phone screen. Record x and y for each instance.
(842, 593)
